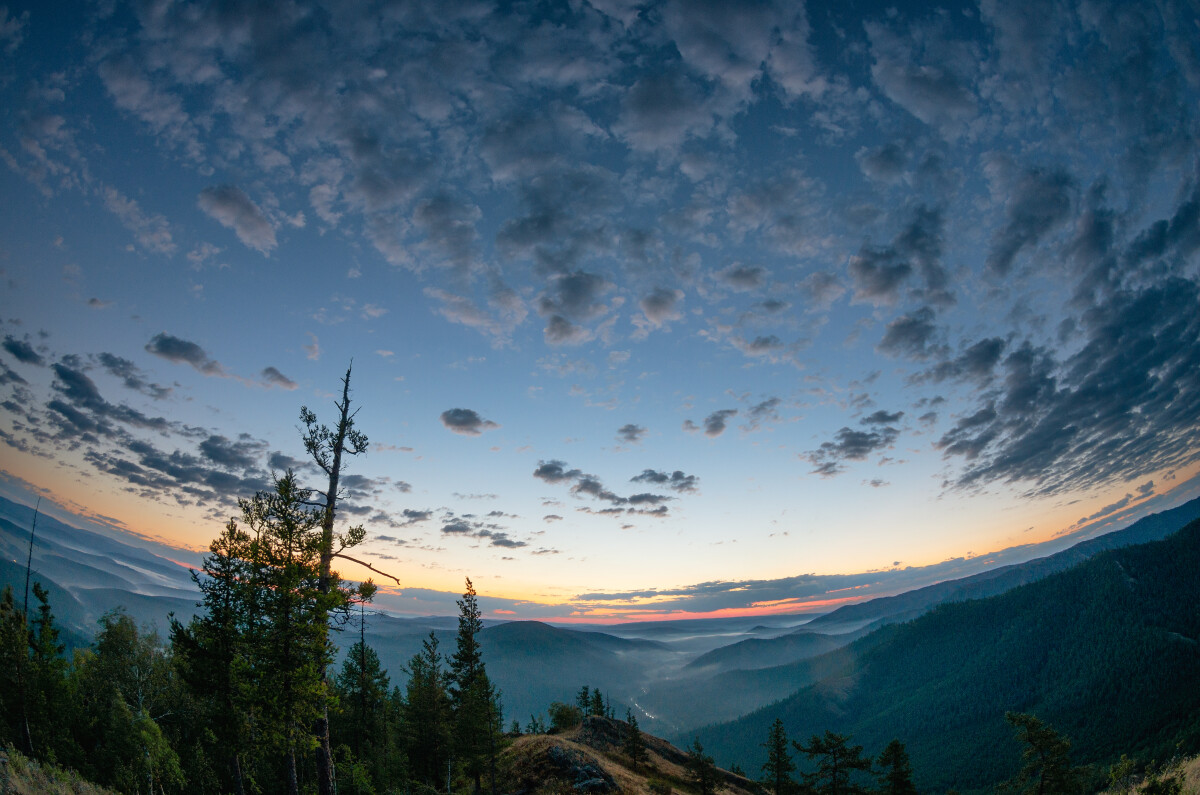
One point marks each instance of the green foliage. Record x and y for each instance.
(1046, 765)
(633, 745)
(779, 765)
(474, 701)
(1121, 775)
(1096, 650)
(659, 787)
(895, 771)
(837, 762)
(427, 716)
(563, 716)
(702, 772)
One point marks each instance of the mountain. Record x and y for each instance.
(1107, 652)
(755, 653)
(908, 605)
(588, 759)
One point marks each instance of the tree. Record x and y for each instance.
(327, 447)
(475, 702)
(895, 777)
(836, 762)
(361, 716)
(427, 715)
(779, 765)
(701, 769)
(563, 716)
(596, 706)
(123, 689)
(1046, 767)
(633, 744)
(211, 652)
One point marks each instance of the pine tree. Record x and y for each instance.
(837, 761)
(895, 777)
(474, 701)
(633, 744)
(327, 447)
(701, 769)
(779, 765)
(211, 652)
(427, 715)
(596, 707)
(1046, 768)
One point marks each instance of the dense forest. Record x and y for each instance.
(1107, 652)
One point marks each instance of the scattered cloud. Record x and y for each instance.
(466, 422)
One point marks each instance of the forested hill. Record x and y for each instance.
(908, 605)
(1107, 652)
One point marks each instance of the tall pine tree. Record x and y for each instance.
(475, 702)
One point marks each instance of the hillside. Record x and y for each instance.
(588, 759)
(909, 605)
(1107, 652)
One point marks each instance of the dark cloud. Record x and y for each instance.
(714, 424)
(630, 433)
(1040, 201)
(676, 480)
(81, 394)
(882, 417)
(466, 422)
(764, 412)
(233, 209)
(661, 306)
(131, 375)
(885, 163)
(231, 455)
(850, 445)
(911, 336)
(743, 277)
(879, 273)
(468, 526)
(22, 351)
(1122, 406)
(178, 350)
(976, 363)
(555, 471)
(272, 377)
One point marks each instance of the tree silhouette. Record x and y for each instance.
(836, 761)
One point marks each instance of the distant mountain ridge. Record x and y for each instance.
(910, 604)
(1107, 652)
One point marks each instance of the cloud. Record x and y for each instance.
(555, 471)
(272, 377)
(466, 422)
(676, 480)
(1100, 415)
(231, 455)
(911, 336)
(850, 444)
(882, 417)
(181, 351)
(661, 306)
(743, 277)
(714, 424)
(1039, 202)
(631, 434)
(976, 363)
(152, 232)
(131, 376)
(233, 209)
(22, 351)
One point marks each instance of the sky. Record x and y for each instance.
(654, 309)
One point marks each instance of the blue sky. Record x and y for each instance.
(646, 302)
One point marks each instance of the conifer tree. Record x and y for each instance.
(427, 715)
(837, 762)
(596, 707)
(327, 447)
(701, 769)
(475, 702)
(895, 776)
(634, 745)
(1046, 766)
(779, 764)
(211, 651)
